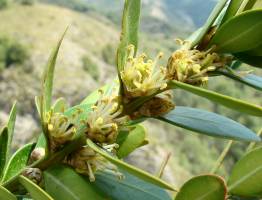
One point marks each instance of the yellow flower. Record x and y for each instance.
(60, 129)
(142, 77)
(86, 161)
(192, 66)
(104, 121)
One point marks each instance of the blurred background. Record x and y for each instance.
(29, 29)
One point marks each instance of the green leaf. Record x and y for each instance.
(78, 114)
(35, 191)
(60, 105)
(48, 76)
(11, 127)
(246, 177)
(204, 187)
(211, 19)
(130, 140)
(6, 195)
(232, 10)
(254, 61)
(129, 188)
(226, 101)
(64, 183)
(249, 79)
(107, 90)
(3, 150)
(132, 170)
(129, 35)
(241, 33)
(255, 52)
(208, 123)
(18, 162)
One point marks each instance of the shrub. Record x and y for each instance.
(12, 52)
(3, 4)
(90, 67)
(108, 54)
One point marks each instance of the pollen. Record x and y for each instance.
(192, 66)
(106, 119)
(143, 77)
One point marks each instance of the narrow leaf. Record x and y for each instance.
(11, 127)
(106, 89)
(131, 140)
(226, 101)
(208, 123)
(132, 170)
(35, 191)
(60, 105)
(129, 188)
(204, 187)
(246, 177)
(49, 76)
(241, 33)
(211, 19)
(232, 10)
(129, 35)
(3, 150)
(18, 162)
(6, 195)
(249, 79)
(64, 183)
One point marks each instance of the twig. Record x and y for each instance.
(221, 157)
(252, 144)
(163, 165)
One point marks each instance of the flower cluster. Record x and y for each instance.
(105, 120)
(192, 66)
(60, 129)
(142, 77)
(86, 161)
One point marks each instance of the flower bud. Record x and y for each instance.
(37, 154)
(34, 174)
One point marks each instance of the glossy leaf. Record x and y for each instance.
(49, 76)
(6, 195)
(64, 183)
(204, 187)
(208, 123)
(35, 191)
(232, 10)
(249, 79)
(130, 140)
(241, 33)
(129, 188)
(132, 170)
(246, 176)
(226, 101)
(18, 161)
(253, 61)
(60, 105)
(3, 150)
(129, 35)
(211, 19)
